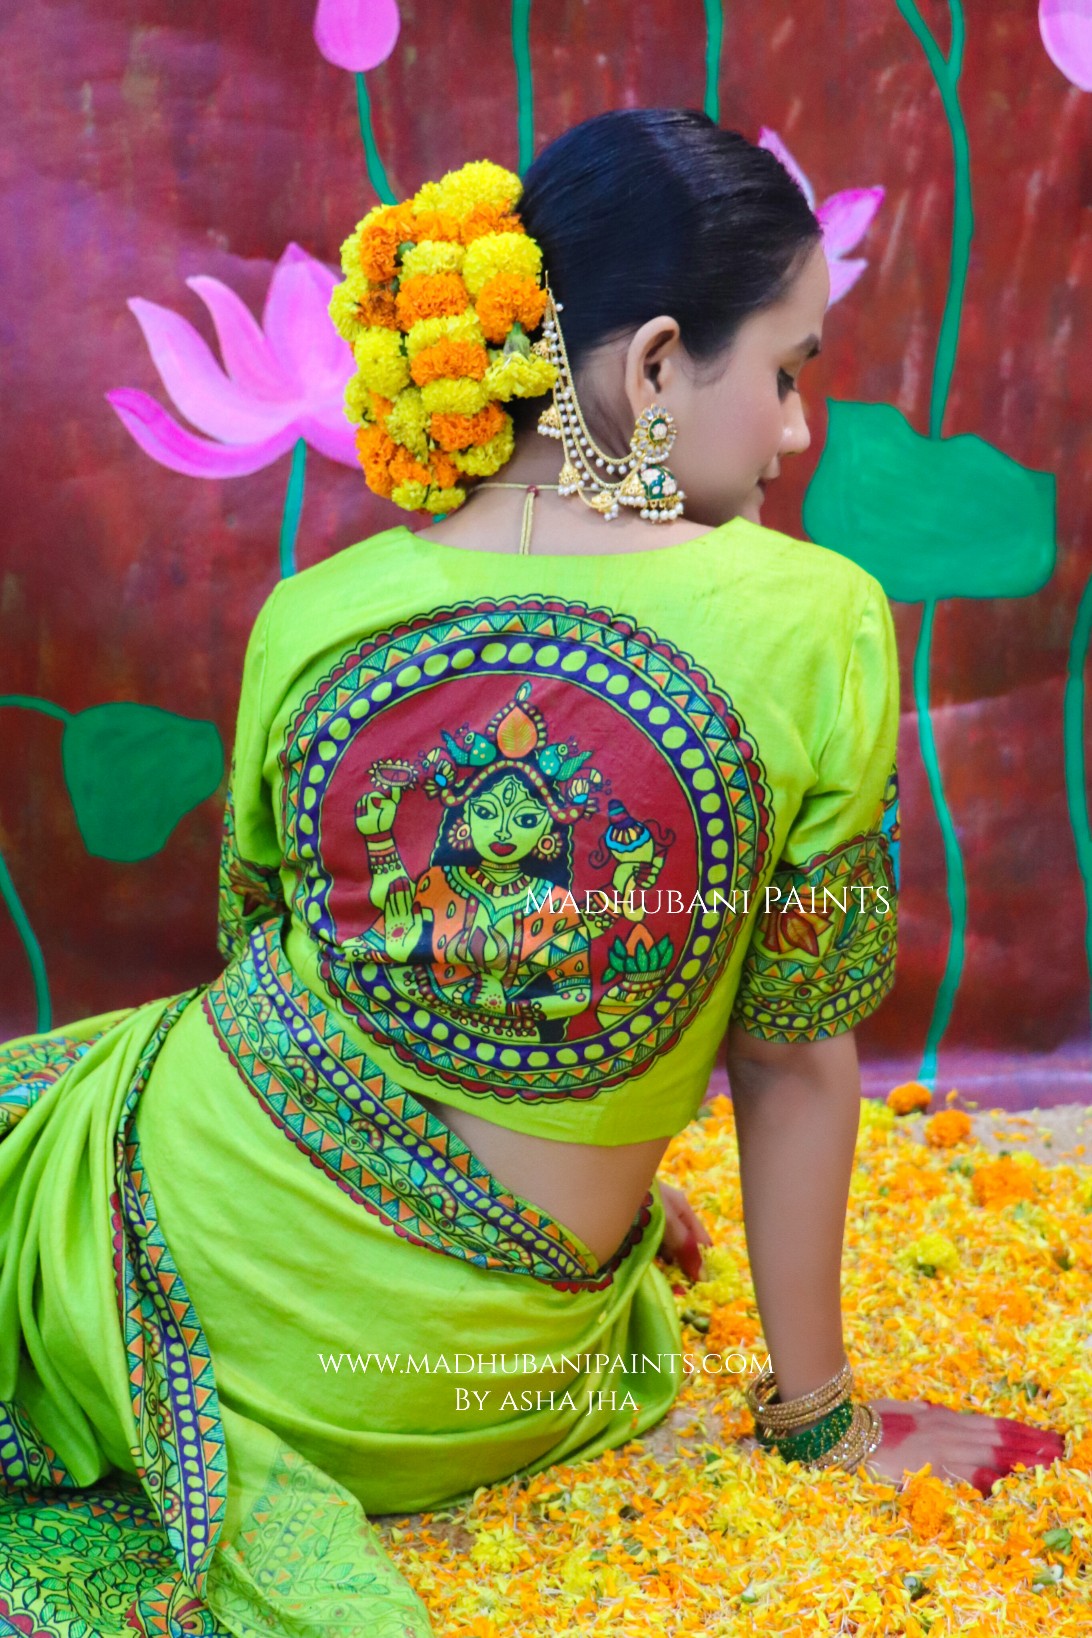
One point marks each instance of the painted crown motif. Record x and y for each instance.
(517, 736)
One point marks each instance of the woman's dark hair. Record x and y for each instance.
(642, 211)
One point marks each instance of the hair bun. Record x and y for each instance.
(438, 298)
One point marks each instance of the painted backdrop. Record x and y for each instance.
(177, 181)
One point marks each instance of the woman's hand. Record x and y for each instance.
(684, 1232)
(957, 1444)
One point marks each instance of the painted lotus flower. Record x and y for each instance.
(356, 34)
(844, 218)
(1066, 28)
(280, 382)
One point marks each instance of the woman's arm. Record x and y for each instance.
(797, 1109)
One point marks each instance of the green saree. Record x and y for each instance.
(251, 1289)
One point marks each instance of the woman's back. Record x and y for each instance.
(525, 810)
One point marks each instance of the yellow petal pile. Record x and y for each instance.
(960, 1296)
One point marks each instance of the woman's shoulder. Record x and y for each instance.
(796, 568)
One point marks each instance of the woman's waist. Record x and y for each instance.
(378, 1141)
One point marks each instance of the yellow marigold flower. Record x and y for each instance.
(932, 1252)
(450, 358)
(358, 399)
(515, 375)
(495, 253)
(446, 500)
(410, 495)
(432, 256)
(382, 364)
(454, 397)
(927, 1503)
(344, 306)
(455, 327)
(408, 421)
(508, 299)
(1001, 1182)
(909, 1096)
(483, 460)
(460, 431)
(946, 1129)
(479, 182)
(430, 295)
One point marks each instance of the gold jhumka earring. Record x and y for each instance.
(605, 482)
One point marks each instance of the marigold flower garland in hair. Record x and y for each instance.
(438, 298)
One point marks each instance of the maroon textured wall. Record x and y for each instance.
(144, 142)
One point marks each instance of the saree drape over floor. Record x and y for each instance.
(500, 832)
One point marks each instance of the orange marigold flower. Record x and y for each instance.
(507, 299)
(927, 1503)
(381, 407)
(485, 218)
(909, 1096)
(445, 474)
(436, 224)
(406, 468)
(449, 358)
(463, 431)
(375, 449)
(1000, 1182)
(379, 242)
(947, 1128)
(377, 308)
(430, 295)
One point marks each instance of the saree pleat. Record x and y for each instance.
(193, 1195)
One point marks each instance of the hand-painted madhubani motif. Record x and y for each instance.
(373, 1138)
(249, 893)
(28, 1068)
(181, 1459)
(823, 955)
(178, 1441)
(521, 832)
(74, 1566)
(309, 1548)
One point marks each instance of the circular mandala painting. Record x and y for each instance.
(523, 834)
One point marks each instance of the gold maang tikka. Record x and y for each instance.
(605, 482)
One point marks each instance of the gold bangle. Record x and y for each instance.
(785, 1415)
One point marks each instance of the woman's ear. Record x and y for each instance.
(652, 362)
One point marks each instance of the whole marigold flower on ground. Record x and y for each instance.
(1001, 1182)
(927, 1504)
(933, 1253)
(909, 1096)
(946, 1129)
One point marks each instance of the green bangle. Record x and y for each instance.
(815, 1441)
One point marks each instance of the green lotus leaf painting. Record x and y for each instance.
(133, 771)
(930, 517)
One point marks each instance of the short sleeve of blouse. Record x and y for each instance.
(821, 956)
